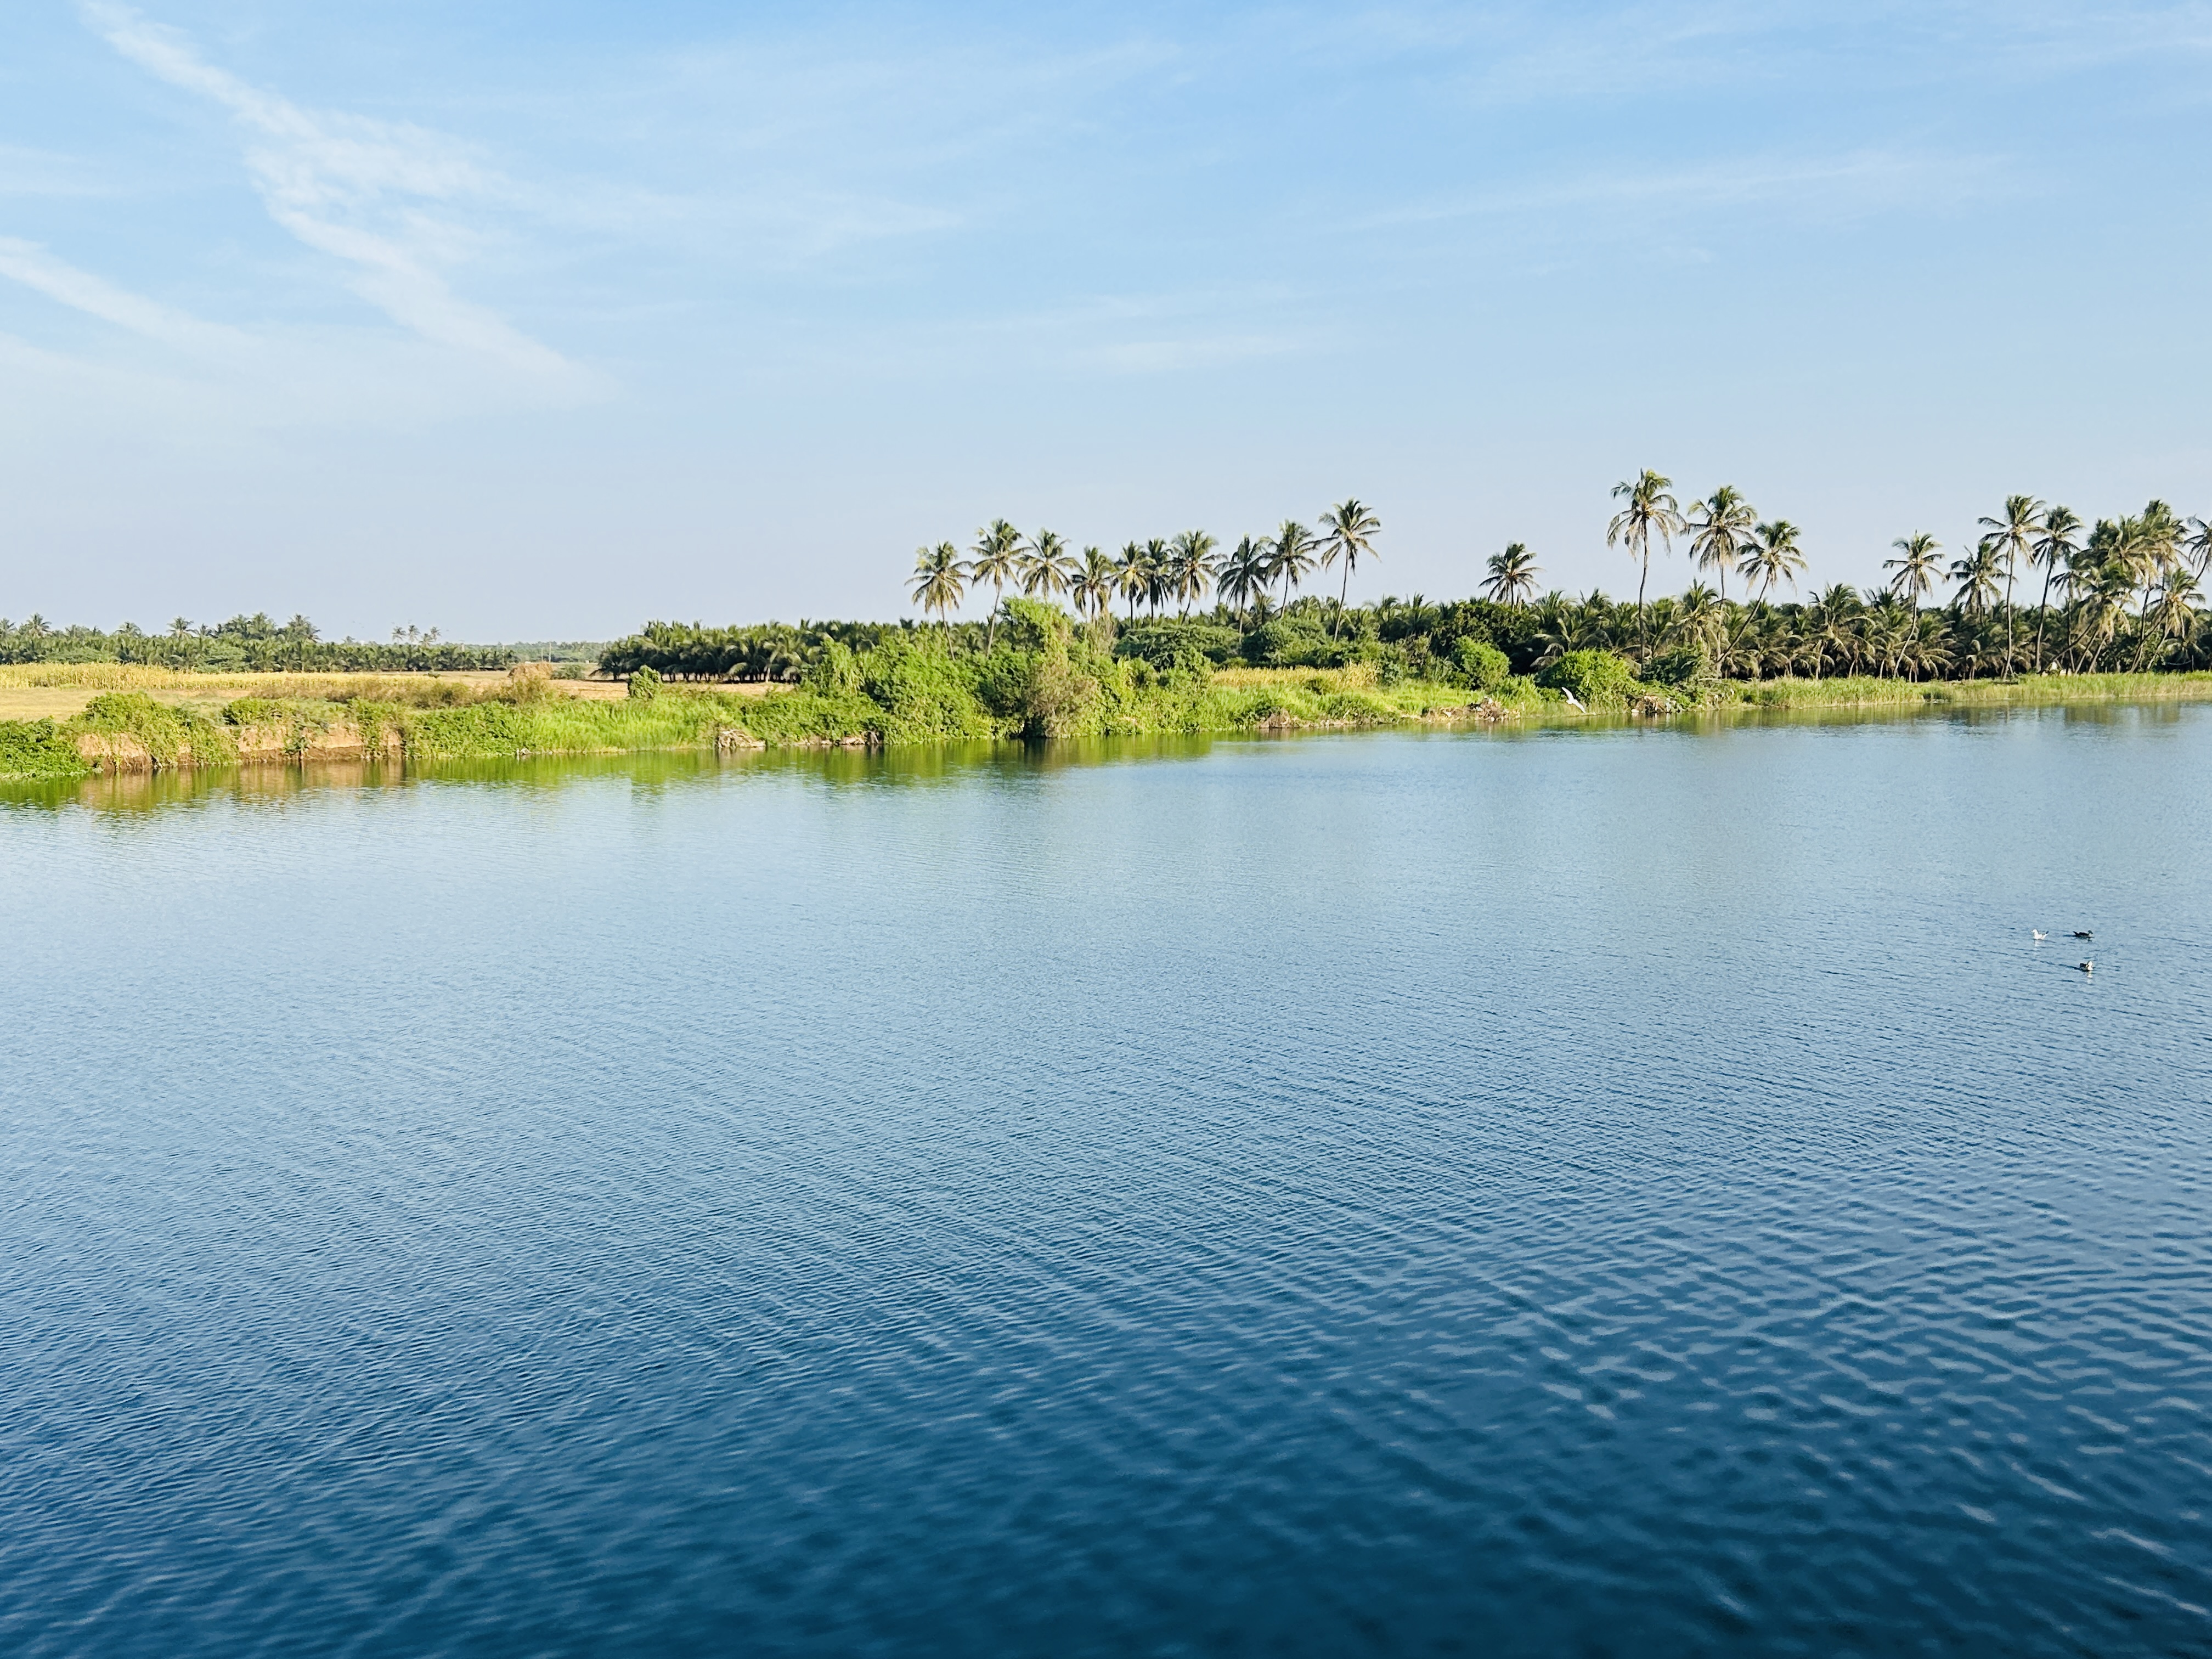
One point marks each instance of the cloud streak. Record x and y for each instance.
(354, 189)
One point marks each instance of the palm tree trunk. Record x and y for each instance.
(1643, 633)
(1341, 592)
(2042, 610)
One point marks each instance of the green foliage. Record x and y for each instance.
(1170, 642)
(1481, 663)
(255, 644)
(644, 683)
(168, 735)
(1681, 665)
(836, 671)
(38, 749)
(1594, 676)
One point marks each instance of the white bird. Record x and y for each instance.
(2039, 934)
(2088, 967)
(1573, 701)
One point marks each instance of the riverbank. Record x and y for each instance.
(910, 694)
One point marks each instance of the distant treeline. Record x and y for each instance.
(257, 644)
(1677, 640)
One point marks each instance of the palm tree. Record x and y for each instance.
(1512, 576)
(1244, 575)
(2054, 549)
(1290, 555)
(1771, 556)
(1916, 568)
(2013, 536)
(1976, 576)
(2174, 616)
(1130, 576)
(1650, 509)
(1190, 565)
(2156, 546)
(1828, 626)
(1348, 532)
(997, 552)
(940, 581)
(2200, 547)
(1157, 575)
(1717, 527)
(1047, 567)
(1094, 584)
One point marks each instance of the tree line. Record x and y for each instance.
(255, 644)
(2124, 593)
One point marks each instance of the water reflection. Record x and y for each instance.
(134, 794)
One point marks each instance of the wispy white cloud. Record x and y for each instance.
(36, 269)
(358, 189)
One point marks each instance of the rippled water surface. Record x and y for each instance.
(1633, 1193)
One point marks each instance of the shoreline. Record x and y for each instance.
(122, 734)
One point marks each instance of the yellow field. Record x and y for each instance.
(32, 691)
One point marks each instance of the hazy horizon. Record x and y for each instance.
(533, 323)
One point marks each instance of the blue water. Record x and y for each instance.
(1633, 1192)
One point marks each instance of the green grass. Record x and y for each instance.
(1859, 689)
(909, 693)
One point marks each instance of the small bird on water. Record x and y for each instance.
(2083, 932)
(2038, 934)
(2087, 967)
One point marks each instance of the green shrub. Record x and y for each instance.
(645, 684)
(1171, 642)
(38, 749)
(1594, 676)
(1296, 641)
(1481, 663)
(834, 671)
(1684, 665)
(167, 734)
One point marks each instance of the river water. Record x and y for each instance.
(1634, 1191)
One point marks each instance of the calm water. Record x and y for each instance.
(1630, 1193)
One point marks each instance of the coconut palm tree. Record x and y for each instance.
(1131, 575)
(1095, 583)
(1047, 567)
(2156, 546)
(2053, 549)
(2200, 548)
(1290, 555)
(1917, 567)
(1650, 510)
(2175, 615)
(997, 562)
(1190, 565)
(1244, 575)
(1348, 532)
(1513, 575)
(940, 581)
(1158, 573)
(1977, 579)
(1771, 556)
(2012, 535)
(1718, 527)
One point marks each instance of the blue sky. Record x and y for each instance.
(542, 319)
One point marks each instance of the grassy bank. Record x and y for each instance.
(1043, 678)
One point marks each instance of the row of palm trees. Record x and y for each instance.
(1179, 570)
(2152, 563)
(1838, 630)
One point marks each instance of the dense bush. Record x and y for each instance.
(1481, 663)
(1594, 676)
(1169, 642)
